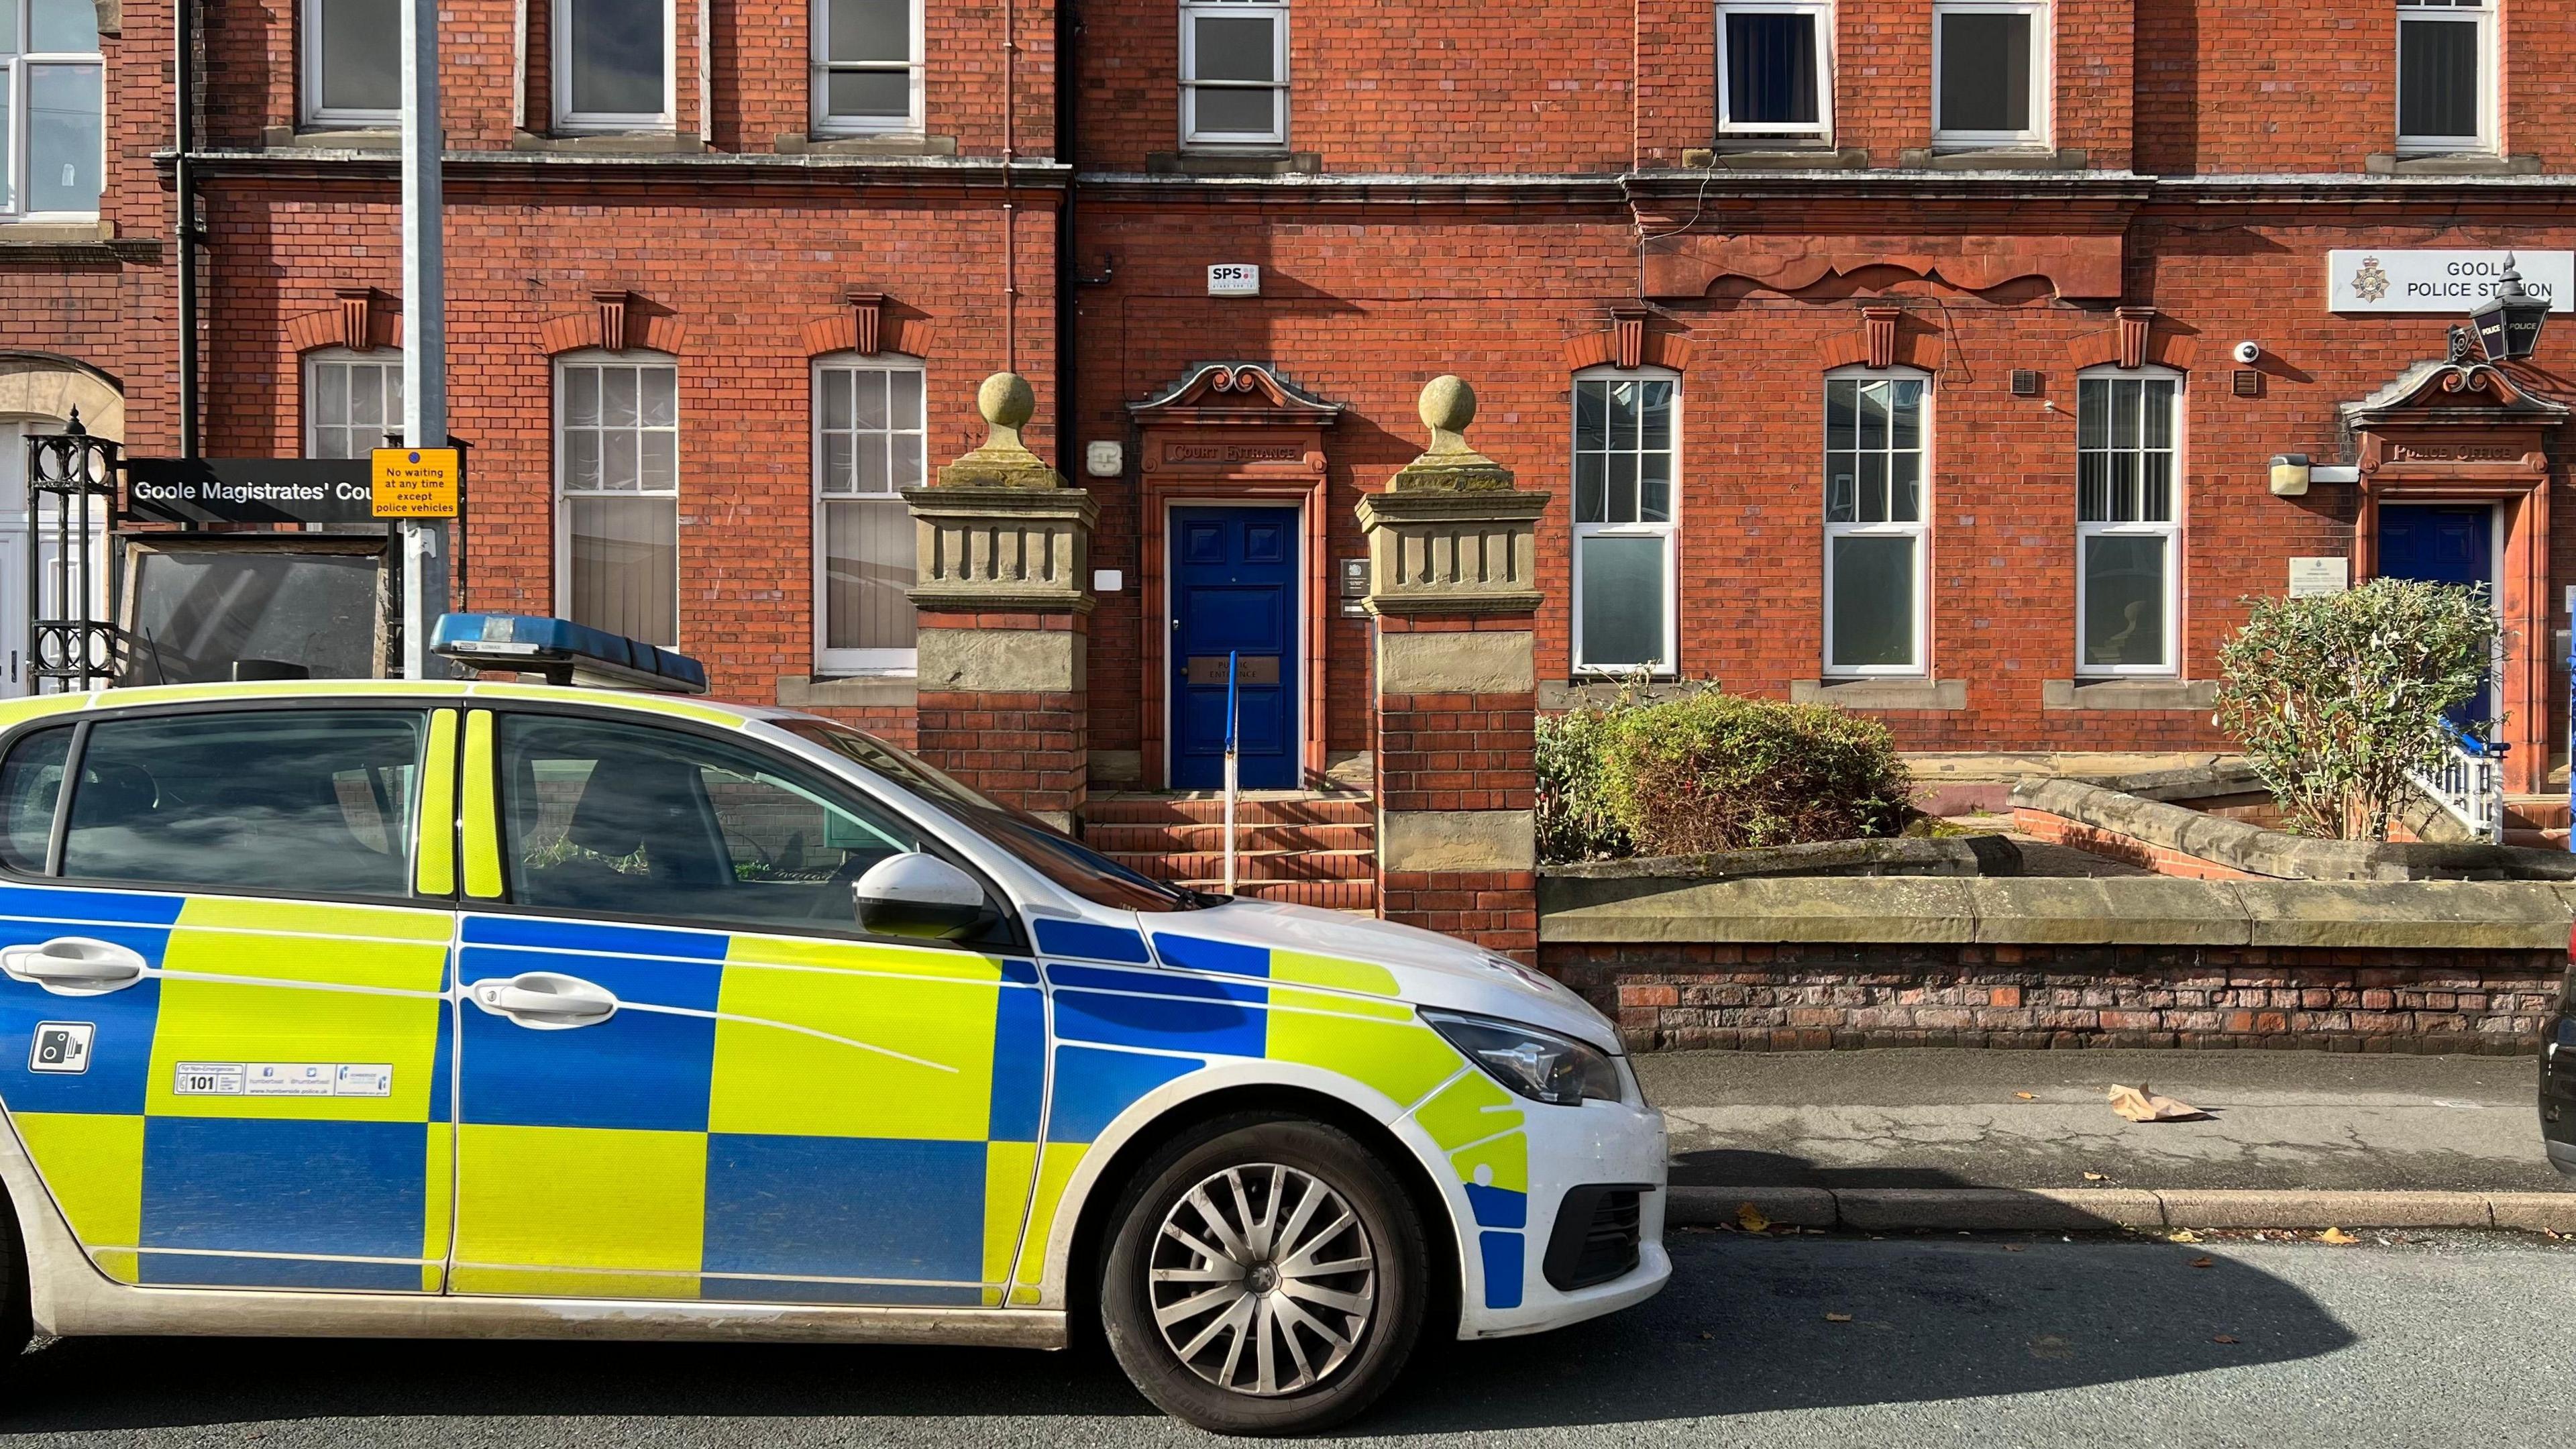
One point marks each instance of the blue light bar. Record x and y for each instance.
(564, 652)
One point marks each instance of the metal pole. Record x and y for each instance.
(424, 283)
(1231, 711)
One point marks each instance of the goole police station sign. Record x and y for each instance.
(2442, 281)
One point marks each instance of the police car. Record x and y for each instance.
(402, 1008)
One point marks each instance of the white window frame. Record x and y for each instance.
(1821, 13)
(13, 158)
(827, 124)
(2490, 86)
(2043, 92)
(594, 357)
(1669, 530)
(1191, 11)
(322, 357)
(559, 44)
(1920, 530)
(827, 660)
(2171, 531)
(308, 40)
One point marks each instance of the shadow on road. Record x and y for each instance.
(1742, 1329)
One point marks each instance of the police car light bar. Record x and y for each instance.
(564, 652)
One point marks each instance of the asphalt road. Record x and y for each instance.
(2455, 1339)
(1941, 1118)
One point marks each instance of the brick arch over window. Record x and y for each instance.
(871, 323)
(362, 318)
(41, 385)
(2137, 337)
(615, 322)
(1885, 337)
(1654, 349)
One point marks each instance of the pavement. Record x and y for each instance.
(1951, 1341)
(1982, 1139)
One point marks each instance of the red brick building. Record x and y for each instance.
(1884, 356)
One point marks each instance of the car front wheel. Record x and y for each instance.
(1267, 1277)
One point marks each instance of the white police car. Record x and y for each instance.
(481, 1009)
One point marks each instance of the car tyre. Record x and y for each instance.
(1268, 1275)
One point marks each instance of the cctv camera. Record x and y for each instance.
(2249, 352)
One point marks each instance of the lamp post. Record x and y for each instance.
(2508, 321)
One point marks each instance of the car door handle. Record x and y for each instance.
(74, 966)
(544, 1000)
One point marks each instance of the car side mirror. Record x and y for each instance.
(919, 895)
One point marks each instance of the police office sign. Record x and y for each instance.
(250, 490)
(2442, 281)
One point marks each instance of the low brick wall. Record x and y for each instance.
(1812, 996)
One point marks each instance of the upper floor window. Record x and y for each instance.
(2445, 75)
(1774, 68)
(2128, 446)
(613, 65)
(1875, 437)
(617, 471)
(867, 65)
(1624, 451)
(1234, 73)
(352, 400)
(1989, 72)
(352, 62)
(53, 128)
(868, 443)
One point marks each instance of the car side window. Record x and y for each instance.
(31, 787)
(630, 819)
(305, 801)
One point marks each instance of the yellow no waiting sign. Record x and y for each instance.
(416, 482)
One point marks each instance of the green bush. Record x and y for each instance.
(2333, 696)
(1722, 772)
(1574, 819)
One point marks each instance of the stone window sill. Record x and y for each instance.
(331, 138)
(56, 233)
(882, 691)
(1881, 694)
(1774, 156)
(622, 143)
(2450, 163)
(1234, 163)
(1992, 158)
(820, 143)
(2129, 694)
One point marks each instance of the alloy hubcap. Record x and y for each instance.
(1262, 1280)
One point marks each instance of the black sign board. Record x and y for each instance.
(250, 490)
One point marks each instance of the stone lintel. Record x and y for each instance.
(1004, 661)
(1458, 840)
(1452, 661)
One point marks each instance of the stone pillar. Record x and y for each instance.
(1453, 585)
(1003, 594)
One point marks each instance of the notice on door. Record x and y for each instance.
(417, 482)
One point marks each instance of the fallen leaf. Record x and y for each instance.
(2049, 1345)
(1751, 1217)
(2027, 1096)
(1838, 1318)
(2012, 1247)
(2141, 1104)
(2204, 1262)
(2336, 1235)
(2184, 1236)
(2222, 1338)
(2097, 1177)
(1708, 1335)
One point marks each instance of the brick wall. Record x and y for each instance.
(1818, 997)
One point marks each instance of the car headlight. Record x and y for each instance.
(1539, 1065)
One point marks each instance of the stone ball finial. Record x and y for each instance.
(1448, 404)
(1006, 400)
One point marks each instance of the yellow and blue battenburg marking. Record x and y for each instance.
(192, 1177)
(1124, 1029)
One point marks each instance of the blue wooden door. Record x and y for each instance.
(2443, 544)
(1234, 588)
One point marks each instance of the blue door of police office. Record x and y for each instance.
(1234, 588)
(2444, 544)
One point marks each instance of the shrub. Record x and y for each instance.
(1574, 817)
(2333, 696)
(1722, 772)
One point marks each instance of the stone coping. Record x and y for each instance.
(2114, 911)
(1960, 855)
(2277, 854)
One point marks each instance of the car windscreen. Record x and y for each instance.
(1060, 858)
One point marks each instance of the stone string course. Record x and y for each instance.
(1823, 996)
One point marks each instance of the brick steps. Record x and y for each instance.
(2539, 821)
(1314, 850)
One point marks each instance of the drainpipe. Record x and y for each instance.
(1068, 28)
(184, 123)
(1010, 210)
